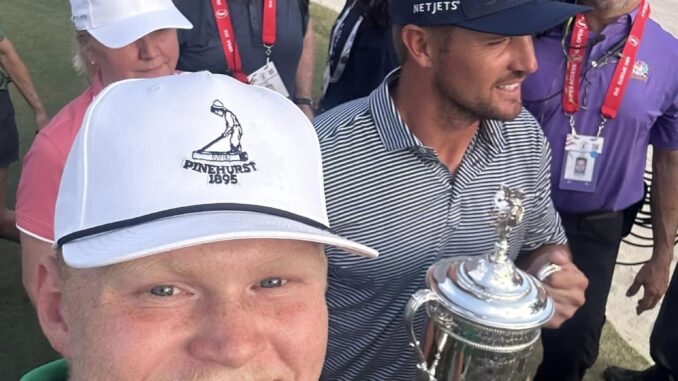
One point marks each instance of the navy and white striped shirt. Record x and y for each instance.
(388, 191)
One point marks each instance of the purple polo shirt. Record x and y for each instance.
(648, 113)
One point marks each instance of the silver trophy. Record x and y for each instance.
(484, 314)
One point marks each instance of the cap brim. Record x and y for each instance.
(124, 32)
(529, 18)
(195, 229)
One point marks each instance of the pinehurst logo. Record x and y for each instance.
(225, 148)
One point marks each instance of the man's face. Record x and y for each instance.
(237, 310)
(480, 74)
(580, 166)
(609, 5)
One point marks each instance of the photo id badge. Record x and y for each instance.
(268, 76)
(579, 171)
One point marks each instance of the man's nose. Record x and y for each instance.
(230, 336)
(524, 59)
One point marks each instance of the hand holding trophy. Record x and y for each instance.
(485, 315)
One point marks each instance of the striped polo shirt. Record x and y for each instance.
(387, 190)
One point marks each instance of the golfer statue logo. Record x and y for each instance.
(216, 150)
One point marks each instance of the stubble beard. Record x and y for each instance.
(457, 108)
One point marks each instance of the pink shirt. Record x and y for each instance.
(43, 165)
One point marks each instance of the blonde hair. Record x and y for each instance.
(81, 64)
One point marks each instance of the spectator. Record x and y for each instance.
(118, 40)
(413, 170)
(663, 344)
(16, 71)
(360, 53)
(163, 274)
(286, 40)
(607, 119)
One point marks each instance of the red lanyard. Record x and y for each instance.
(227, 34)
(575, 62)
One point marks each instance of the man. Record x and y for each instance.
(11, 63)
(413, 170)
(663, 344)
(164, 274)
(268, 43)
(607, 111)
(233, 130)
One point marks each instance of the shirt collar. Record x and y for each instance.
(396, 136)
(392, 130)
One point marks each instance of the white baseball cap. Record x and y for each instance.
(170, 162)
(117, 23)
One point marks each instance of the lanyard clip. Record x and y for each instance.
(573, 131)
(601, 126)
(267, 51)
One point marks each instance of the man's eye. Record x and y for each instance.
(163, 290)
(272, 282)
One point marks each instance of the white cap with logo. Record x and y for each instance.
(117, 23)
(170, 162)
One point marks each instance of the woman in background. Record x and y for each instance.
(117, 40)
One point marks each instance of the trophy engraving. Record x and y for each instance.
(484, 314)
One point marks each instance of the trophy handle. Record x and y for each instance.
(417, 300)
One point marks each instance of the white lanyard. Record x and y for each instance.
(333, 77)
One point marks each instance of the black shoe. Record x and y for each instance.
(615, 373)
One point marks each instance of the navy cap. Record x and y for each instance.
(503, 17)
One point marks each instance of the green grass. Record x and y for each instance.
(42, 33)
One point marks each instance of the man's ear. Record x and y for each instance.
(50, 308)
(418, 42)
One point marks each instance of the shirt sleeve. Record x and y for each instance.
(38, 189)
(543, 221)
(664, 133)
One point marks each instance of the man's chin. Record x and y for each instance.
(508, 112)
(154, 73)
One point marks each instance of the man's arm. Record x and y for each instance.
(304, 77)
(17, 71)
(654, 275)
(566, 286)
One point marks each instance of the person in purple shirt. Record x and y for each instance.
(599, 148)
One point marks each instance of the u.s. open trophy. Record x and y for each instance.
(484, 314)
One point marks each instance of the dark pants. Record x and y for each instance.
(571, 349)
(9, 137)
(664, 339)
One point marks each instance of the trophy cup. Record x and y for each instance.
(484, 314)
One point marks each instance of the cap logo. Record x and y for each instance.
(79, 18)
(633, 40)
(436, 6)
(221, 13)
(225, 148)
